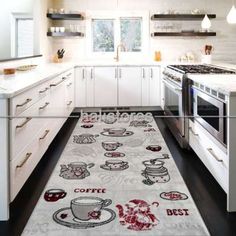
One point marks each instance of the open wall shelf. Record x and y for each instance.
(183, 34)
(181, 17)
(58, 16)
(65, 34)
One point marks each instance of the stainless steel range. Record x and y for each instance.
(176, 96)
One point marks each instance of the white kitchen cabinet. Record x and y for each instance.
(130, 86)
(105, 87)
(80, 87)
(151, 92)
(84, 87)
(69, 92)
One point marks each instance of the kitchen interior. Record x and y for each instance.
(72, 72)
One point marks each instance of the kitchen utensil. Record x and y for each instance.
(9, 71)
(26, 67)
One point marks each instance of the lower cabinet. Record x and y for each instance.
(129, 86)
(32, 131)
(112, 86)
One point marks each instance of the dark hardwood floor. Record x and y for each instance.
(207, 194)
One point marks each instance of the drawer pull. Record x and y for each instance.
(27, 156)
(23, 104)
(43, 91)
(54, 85)
(210, 150)
(45, 135)
(68, 85)
(69, 103)
(69, 74)
(43, 107)
(24, 123)
(151, 72)
(193, 132)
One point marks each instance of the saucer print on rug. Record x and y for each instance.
(101, 187)
(85, 212)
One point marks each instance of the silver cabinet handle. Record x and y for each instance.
(91, 73)
(151, 73)
(83, 73)
(43, 107)
(120, 73)
(45, 134)
(143, 73)
(43, 91)
(69, 103)
(24, 103)
(68, 85)
(210, 150)
(55, 84)
(115, 73)
(27, 156)
(191, 129)
(24, 123)
(69, 74)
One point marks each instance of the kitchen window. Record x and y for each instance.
(105, 32)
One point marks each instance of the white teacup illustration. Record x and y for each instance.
(87, 208)
(111, 146)
(116, 164)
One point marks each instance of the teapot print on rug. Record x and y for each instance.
(137, 215)
(75, 170)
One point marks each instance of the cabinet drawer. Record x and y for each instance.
(23, 165)
(23, 101)
(213, 158)
(23, 129)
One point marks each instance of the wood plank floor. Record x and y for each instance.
(207, 194)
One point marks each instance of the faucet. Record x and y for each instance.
(117, 58)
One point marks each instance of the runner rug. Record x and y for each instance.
(115, 177)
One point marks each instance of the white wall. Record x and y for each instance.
(171, 48)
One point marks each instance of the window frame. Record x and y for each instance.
(116, 15)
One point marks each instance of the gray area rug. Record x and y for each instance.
(116, 178)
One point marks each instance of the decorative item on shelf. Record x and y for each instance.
(206, 23)
(231, 17)
(157, 56)
(59, 56)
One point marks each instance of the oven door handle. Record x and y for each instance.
(172, 86)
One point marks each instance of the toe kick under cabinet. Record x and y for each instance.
(37, 116)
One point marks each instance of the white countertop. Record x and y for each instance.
(13, 85)
(225, 84)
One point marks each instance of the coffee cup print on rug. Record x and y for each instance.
(75, 170)
(53, 195)
(116, 132)
(115, 165)
(136, 215)
(111, 146)
(155, 172)
(85, 212)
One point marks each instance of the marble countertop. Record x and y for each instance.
(12, 85)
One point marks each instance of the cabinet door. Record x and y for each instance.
(69, 92)
(89, 73)
(130, 86)
(105, 88)
(145, 86)
(80, 87)
(155, 86)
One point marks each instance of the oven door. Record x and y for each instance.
(210, 112)
(173, 106)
